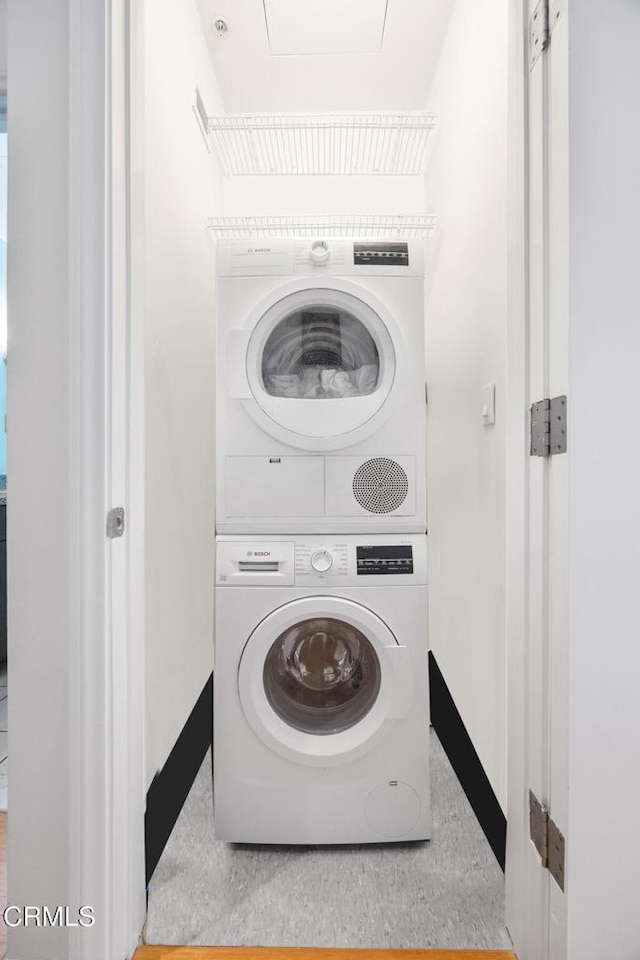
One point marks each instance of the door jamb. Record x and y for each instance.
(109, 774)
(518, 912)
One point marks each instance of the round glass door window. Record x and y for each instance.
(320, 352)
(321, 676)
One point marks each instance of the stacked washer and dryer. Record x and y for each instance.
(321, 697)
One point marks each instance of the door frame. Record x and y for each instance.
(518, 911)
(104, 581)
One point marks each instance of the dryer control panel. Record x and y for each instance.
(388, 254)
(320, 256)
(317, 562)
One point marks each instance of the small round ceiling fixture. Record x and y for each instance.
(220, 26)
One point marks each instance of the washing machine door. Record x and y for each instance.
(321, 679)
(319, 364)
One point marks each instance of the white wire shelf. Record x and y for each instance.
(364, 144)
(404, 226)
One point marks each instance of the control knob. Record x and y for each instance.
(319, 251)
(321, 561)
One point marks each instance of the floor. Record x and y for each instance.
(446, 894)
(4, 749)
(243, 953)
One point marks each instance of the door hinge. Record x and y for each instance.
(547, 839)
(115, 522)
(541, 25)
(549, 427)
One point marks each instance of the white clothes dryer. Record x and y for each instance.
(321, 695)
(320, 387)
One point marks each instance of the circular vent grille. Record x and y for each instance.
(380, 485)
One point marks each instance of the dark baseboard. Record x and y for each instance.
(466, 764)
(171, 785)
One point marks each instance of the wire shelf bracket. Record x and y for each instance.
(365, 144)
(383, 226)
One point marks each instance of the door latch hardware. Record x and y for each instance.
(549, 427)
(115, 523)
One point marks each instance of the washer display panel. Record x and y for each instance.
(320, 352)
(322, 676)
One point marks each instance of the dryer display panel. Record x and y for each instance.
(382, 560)
(385, 254)
(320, 352)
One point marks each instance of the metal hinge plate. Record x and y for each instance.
(538, 32)
(539, 827)
(549, 427)
(115, 523)
(547, 839)
(541, 25)
(555, 846)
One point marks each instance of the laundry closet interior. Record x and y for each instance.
(319, 237)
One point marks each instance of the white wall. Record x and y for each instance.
(183, 188)
(466, 185)
(300, 196)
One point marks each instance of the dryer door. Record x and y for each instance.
(321, 365)
(321, 679)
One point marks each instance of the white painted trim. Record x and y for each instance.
(108, 762)
(520, 914)
(127, 795)
(135, 497)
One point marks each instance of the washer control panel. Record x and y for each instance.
(385, 559)
(321, 559)
(317, 561)
(322, 564)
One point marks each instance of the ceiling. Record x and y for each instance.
(406, 36)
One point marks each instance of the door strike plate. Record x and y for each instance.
(115, 523)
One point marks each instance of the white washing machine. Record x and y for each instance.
(321, 695)
(320, 386)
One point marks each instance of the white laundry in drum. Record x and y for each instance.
(319, 383)
(320, 375)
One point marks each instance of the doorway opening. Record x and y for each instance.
(408, 141)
